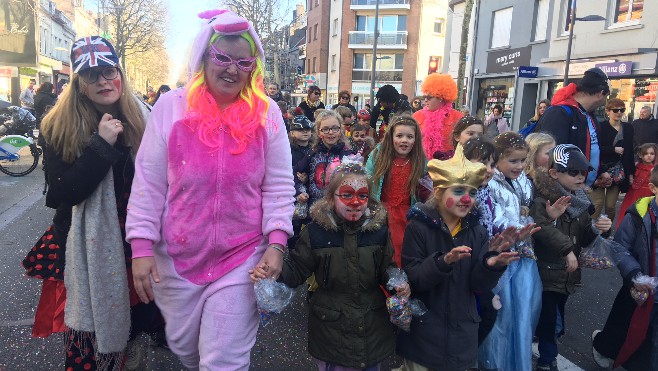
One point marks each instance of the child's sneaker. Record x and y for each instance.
(549, 367)
(600, 359)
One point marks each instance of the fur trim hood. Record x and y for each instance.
(545, 186)
(323, 214)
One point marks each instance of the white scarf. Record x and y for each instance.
(97, 298)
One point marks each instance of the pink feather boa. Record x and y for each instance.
(437, 129)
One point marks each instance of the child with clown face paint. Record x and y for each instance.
(448, 257)
(347, 247)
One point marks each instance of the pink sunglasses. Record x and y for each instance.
(220, 58)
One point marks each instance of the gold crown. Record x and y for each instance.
(457, 171)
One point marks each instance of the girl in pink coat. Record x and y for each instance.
(212, 198)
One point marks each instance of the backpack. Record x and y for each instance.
(529, 129)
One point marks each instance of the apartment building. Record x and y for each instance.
(317, 42)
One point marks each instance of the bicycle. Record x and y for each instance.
(19, 154)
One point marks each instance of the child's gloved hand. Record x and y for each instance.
(558, 208)
(403, 290)
(603, 224)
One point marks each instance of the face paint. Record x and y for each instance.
(457, 201)
(351, 198)
(450, 203)
(465, 200)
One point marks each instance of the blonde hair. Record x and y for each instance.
(68, 127)
(386, 155)
(324, 115)
(535, 142)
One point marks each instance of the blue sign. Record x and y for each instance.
(528, 72)
(616, 68)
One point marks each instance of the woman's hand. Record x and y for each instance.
(143, 269)
(456, 254)
(558, 208)
(109, 129)
(619, 150)
(403, 290)
(270, 264)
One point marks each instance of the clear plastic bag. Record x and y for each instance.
(301, 208)
(598, 255)
(271, 298)
(401, 309)
(641, 296)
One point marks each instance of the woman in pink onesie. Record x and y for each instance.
(212, 198)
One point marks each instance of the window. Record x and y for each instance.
(502, 27)
(387, 23)
(389, 67)
(310, 4)
(628, 10)
(438, 26)
(315, 32)
(333, 63)
(317, 2)
(335, 27)
(314, 70)
(541, 19)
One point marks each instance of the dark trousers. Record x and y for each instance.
(488, 315)
(550, 326)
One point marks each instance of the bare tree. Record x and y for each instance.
(136, 25)
(466, 22)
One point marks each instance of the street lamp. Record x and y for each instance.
(573, 19)
(374, 55)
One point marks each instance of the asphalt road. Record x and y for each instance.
(281, 345)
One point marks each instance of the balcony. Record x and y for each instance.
(365, 75)
(383, 4)
(386, 40)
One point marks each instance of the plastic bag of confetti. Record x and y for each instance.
(396, 278)
(399, 312)
(271, 298)
(641, 296)
(597, 255)
(417, 307)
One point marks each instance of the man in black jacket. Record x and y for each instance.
(388, 102)
(569, 119)
(645, 128)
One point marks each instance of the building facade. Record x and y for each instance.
(508, 34)
(317, 43)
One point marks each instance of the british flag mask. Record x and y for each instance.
(92, 51)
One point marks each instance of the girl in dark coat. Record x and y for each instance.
(447, 255)
(348, 249)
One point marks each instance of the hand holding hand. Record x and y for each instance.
(619, 150)
(143, 269)
(558, 208)
(603, 224)
(572, 262)
(269, 266)
(456, 254)
(109, 129)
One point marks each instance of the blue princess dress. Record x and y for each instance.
(508, 347)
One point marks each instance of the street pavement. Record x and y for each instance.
(281, 345)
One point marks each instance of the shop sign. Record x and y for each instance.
(616, 68)
(17, 33)
(528, 72)
(508, 60)
(5, 71)
(364, 87)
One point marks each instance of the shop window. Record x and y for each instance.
(628, 10)
(438, 26)
(502, 27)
(541, 19)
(492, 92)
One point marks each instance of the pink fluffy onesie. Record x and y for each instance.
(206, 215)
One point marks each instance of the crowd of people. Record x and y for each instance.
(165, 219)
